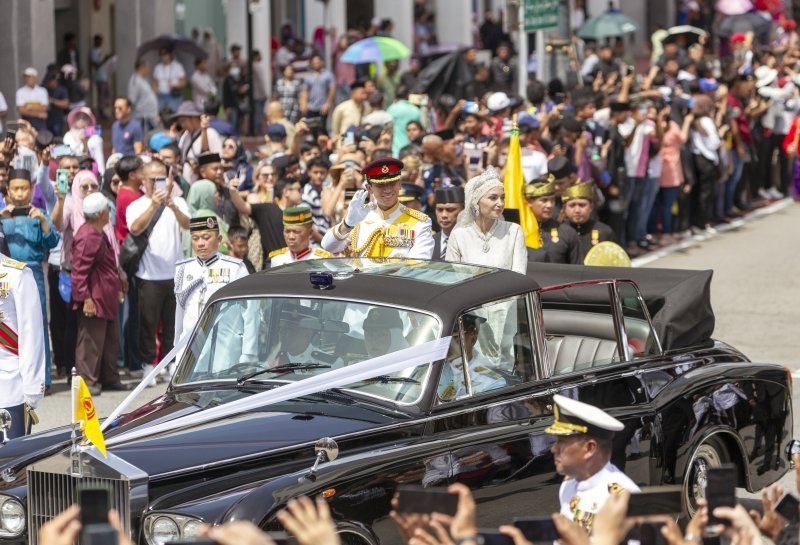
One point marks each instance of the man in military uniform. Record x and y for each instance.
(196, 279)
(298, 224)
(449, 204)
(297, 339)
(541, 197)
(22, 356)
(382, 227)
(582, 454)
(579, 231)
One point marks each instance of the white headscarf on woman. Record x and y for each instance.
(474, 191)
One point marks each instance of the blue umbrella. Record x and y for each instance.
(375, 50)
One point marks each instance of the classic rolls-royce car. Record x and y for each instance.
(312, 379)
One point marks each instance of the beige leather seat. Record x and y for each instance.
(575, 353)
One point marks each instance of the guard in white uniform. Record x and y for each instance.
(582, 454)
(382, 227)
(198, 278)
(297, 225)
(22, 356)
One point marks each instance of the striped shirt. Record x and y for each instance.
(313, 198)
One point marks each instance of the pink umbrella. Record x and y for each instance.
(734, 7)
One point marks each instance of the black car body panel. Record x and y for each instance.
(248, 466)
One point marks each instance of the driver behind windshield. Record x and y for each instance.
(482, 377)
(383, 332)
(299, 329)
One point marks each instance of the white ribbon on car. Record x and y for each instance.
(387, 364)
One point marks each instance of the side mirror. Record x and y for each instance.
(327, 451)
(5, 424)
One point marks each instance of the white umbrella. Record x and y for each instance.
(734, 7)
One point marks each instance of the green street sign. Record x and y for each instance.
(540, 15)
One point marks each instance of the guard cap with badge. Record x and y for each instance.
(203, 223)
(383, 171)
(581, 190)
(541, 188)
(297, 215)
(573, 417)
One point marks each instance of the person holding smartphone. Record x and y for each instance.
(30, 234)
(582, 454)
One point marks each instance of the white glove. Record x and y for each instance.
(357, 211)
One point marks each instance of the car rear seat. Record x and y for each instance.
(575, 353)
(578, 340)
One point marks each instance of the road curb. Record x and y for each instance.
(724, 228)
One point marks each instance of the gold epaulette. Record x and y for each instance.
(416, 214)
(13, 263)
(319, 252)
(273, 253)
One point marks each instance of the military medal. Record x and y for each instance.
(554, 235)
(5, 289)
(595, 236)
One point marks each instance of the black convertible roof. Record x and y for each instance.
(436, 286)
(679, 300)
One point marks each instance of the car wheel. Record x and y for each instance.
(710, 453)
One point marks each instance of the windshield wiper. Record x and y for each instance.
(386, 379)
(287, 367)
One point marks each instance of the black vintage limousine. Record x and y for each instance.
(634, 342)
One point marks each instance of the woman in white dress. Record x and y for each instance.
(481, 235)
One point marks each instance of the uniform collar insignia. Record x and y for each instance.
(210, 261)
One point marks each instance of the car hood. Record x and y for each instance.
(299, 422)
(295, 423)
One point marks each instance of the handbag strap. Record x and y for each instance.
(153, 222)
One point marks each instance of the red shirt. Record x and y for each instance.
(125, 197)
(736, 109)
(94, 272)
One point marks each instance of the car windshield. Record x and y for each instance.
(289, 339)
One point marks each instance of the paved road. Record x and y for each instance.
(755, 294)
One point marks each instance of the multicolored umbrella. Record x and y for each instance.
(607, 25)
(374, 50)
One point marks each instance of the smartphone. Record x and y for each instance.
(789, 508)
(20, 211)
(537, 528)
(720, 490)
(62, 180)
(161, 183)
(11, 129)
(657, 500)
(650, 533)
(349, 138)
(58, 151)
(493, 537)
(417, 499)
(99, 534)
(95, 503)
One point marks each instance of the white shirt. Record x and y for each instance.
(32, 95)
(534, 164)
(507, 248)
(284, 256)
(196, 281)
(164, 245)
(202, 86)
(167, 75)
(706, 145)
(633, 152)
(140, 93)
(377, 118)
(581, 500)
(193, 149)
(22, 375)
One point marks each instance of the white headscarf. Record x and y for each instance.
(474, 191)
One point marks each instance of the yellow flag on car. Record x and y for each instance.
(84, 410)
(514, 184)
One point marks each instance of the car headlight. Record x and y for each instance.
(162, 528)
(165, 530)
(12, 517)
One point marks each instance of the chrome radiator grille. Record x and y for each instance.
(51, 493)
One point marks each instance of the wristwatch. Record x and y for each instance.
(693, 537)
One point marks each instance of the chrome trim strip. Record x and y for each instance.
(619, 321)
